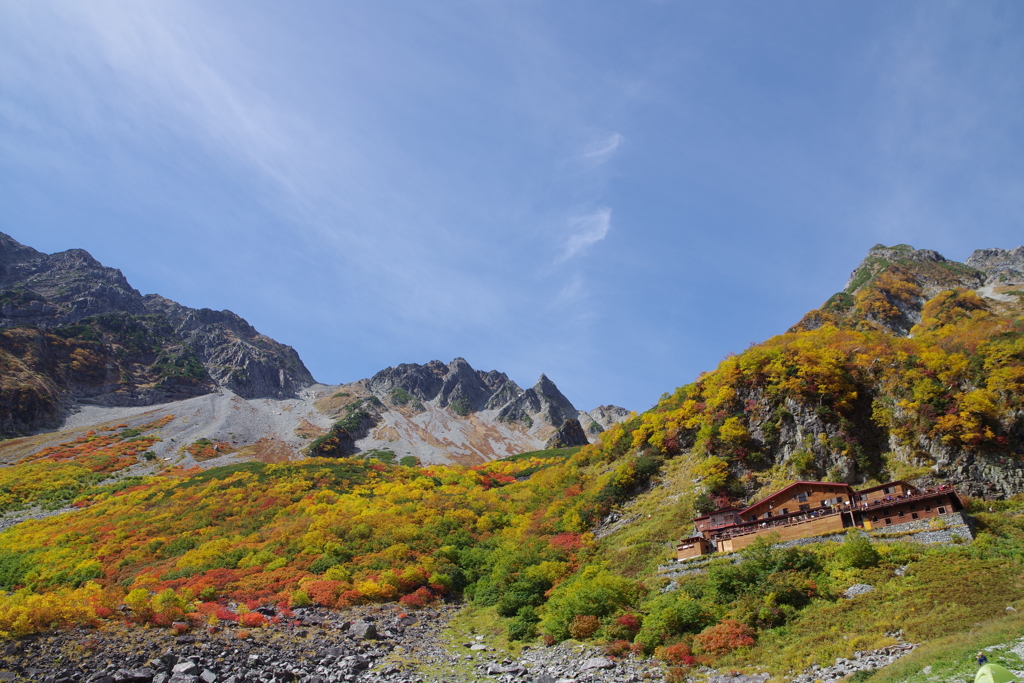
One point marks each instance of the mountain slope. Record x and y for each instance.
(74, 331)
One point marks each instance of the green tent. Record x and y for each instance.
(993, 673)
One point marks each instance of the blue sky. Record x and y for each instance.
(616, 194)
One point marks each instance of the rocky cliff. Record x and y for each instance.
(438, 412)
(73, 331)
(914, 370)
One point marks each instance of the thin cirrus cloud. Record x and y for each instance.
(588, 230)
(601, 150)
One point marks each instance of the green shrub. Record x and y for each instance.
(399, 396)
(857, 552)
(594, 591)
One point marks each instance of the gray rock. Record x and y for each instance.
(495, 669)
(857, 589)
(186, 667)
(363, 630)
(597, 663)
(144, 675)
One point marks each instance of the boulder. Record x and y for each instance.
(597, 663)
(363, 630)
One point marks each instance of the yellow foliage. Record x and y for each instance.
(377, 592)
(25, 612)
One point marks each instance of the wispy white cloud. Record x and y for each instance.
(599, 151)
(586, 231)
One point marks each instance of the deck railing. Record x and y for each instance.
(753, 527)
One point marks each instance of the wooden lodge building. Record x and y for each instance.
(816, 508)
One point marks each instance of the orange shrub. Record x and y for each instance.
(252, 620)
(724, 637)
(584, 626)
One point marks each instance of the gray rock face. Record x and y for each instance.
(568, 435)
(601, 418)
(51, 291)
(235, 355)
(1000, 266)
(543, 400)
(456, 385)
(464, 390)
(47, 290)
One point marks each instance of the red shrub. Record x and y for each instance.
(630, 622)
(725, 637)
(676, 655)
(224, 614)
(412, 600)
(252, 620)
(566, 541)
(348, 598)
(323, 592)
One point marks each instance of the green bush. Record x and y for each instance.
(857, 552)
(594, 591)
(671, 615)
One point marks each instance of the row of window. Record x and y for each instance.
(913, 515)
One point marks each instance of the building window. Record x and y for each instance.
(913, 506)
(785, 511)
(805, 506)
(874, 519)
(942, 511)
(900, 513)
(927, 508)
(913, 515)
(888, 521)
(801, 497)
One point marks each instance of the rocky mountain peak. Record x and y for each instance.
(932, 269)
(137, 350)
(890, 287)
(1000, 266)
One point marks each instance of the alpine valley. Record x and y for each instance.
(183, 502)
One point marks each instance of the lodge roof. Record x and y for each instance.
(782, 490)
(719, 510)
(797, 483)
(885, 485)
